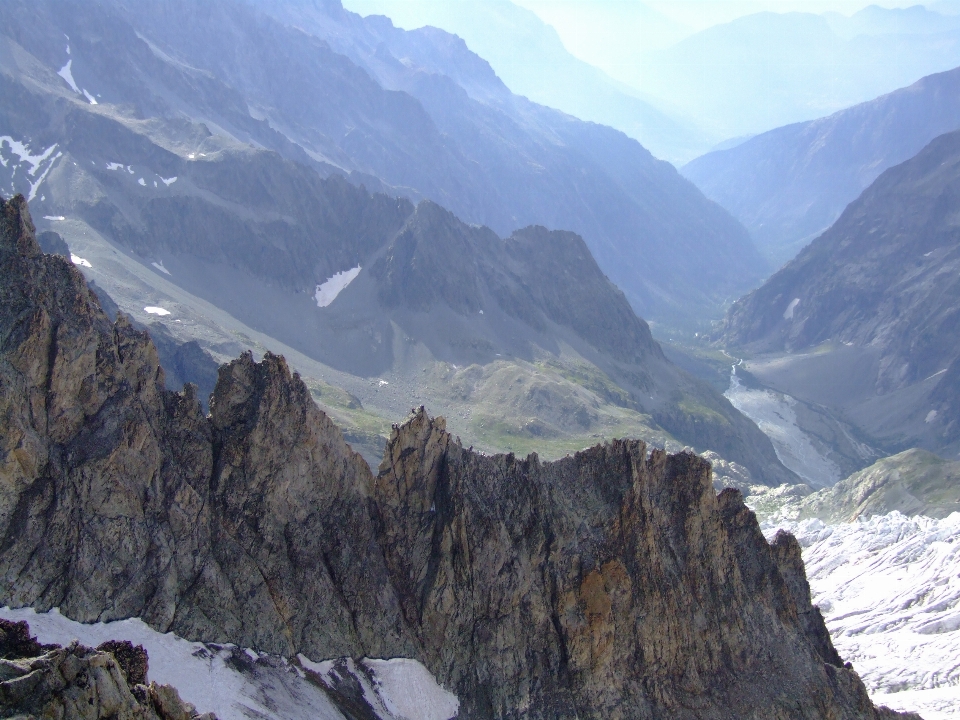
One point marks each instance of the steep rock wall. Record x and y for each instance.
(610, 584)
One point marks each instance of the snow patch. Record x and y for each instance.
(66, 72)
(774, 415)
(409, 690)
(931, 416)
(54, 217)
(152, 310)
(142, 182)
(22, 151)
(159, 266)
(328, 291)
(396, 689)
(114, 166)
(788, 313)
(92, 100)
(34, 186)
(82, 262)
(889, 589)
(208, 676)
(168, 181)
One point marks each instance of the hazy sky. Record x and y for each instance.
(600, 31)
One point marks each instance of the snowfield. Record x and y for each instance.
(889, 589)
(241, 684)
(328, 291)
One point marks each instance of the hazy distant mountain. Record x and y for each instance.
(528, 55)
(788, 185)
(770, 69)
(363, 284)
(435, 123)
(878, 295)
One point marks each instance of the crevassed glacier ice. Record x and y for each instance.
(889, 589)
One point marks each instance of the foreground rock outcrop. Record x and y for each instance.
(77, 682)
(610, 584)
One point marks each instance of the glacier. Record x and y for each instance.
(774, 415)
(889, 590)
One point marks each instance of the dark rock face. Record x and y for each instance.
(16, 641)
(193, 515)
(49, 681)
(52, 244)
(609, 584)
(535, 276)
(131, 658)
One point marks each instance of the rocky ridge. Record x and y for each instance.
(613, 583)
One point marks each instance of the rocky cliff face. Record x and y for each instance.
(613, 583)
(120, 499)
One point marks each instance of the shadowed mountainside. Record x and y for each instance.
(881, 285)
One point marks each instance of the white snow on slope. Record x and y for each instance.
(25, 157)
(788, 313)
(328, 291)
(774, 415)
(241, 684)
(66, 72)
(82, 262)
(152, 310)
(397, 689)
(889, 589)
(410, 691)
(205, 675)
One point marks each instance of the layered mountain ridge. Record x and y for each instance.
(611, 582)
(414, 113)
(255, 234)
(790, 184)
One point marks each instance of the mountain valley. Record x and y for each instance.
(790, 184)
(865, 313)
(340, 380)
